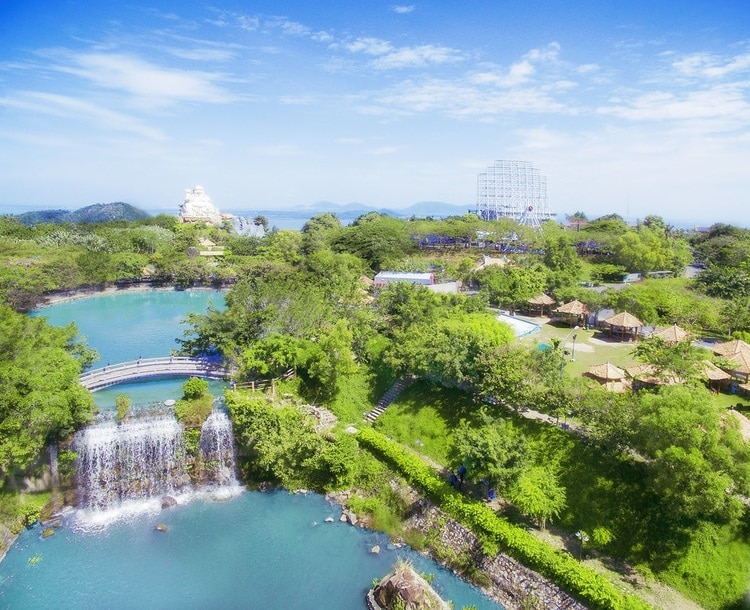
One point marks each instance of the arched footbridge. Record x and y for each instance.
(152, 368)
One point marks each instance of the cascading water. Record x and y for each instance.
(217, 450)
(141, 458)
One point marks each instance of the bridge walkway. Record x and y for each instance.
(152, 368)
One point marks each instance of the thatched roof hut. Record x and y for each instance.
(671, 334)
(713, 373)
(610, 376)
(573, 312)
(737, 352)
(538, 303)
(731, 348)
(624, 324)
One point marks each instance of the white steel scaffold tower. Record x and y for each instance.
(513, 189)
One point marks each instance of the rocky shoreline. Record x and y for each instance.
(503, 579)
(64, 296)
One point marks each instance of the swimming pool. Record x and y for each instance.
(520, 327)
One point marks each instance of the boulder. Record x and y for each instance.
(168, 502)
(404, 588)
(161, 527)
(375, 550)
(329, 519)
(48, 531)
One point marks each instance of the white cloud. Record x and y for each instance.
(712, 66)
(461, 100)
(411, 57)
(71, 108)
(247, 23)
(202, 54)
(369, 46)
(726, 106)
(145, 81)
(401, 9)
(548, 53)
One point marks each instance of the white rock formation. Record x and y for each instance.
(198, 207)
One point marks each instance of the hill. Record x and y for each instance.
(98, 212)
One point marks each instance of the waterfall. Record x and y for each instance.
(140, 458)
(217, 449)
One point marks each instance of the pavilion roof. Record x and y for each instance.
(671, 334)
(731, 348)
(574, 308)
(624, 320)
(606, 371)
(741, 361)
(647, 373)
(542, 299)
(713, 372)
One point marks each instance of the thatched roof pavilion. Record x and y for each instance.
(538, 303)
(731, 348)
(609, 375)
(625, 324)
(714, 373)
(737, 352)
(644, 374)
(573, 312)
(671, 335)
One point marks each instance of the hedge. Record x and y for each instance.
(561, 568)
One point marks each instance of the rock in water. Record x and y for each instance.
(404, 588)
(161, 527)
(168, 502)
(198, 207)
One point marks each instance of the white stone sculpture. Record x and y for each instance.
(198, 207)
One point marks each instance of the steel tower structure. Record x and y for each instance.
(513, 189)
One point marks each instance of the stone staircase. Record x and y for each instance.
(389, 397)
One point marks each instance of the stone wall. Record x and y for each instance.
(513, 585)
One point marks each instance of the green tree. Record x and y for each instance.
(495, 451)
(319, 231)
(122, 405)
(538, 493)
(41, 399)
(511, 286)
(195, 387)
(375, 238)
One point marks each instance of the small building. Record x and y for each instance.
(388, 277)
(611, 377)
(737, 352)
(671, 335)
(537, 304)
(625, 325)
(573, 313)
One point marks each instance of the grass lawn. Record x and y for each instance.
(590, 347)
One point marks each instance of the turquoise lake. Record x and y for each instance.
(270, 550)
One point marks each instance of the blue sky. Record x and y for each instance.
(636, 108)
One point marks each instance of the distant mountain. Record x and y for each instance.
(98, 212)
(350, 211)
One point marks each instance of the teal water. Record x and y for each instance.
(128, 325)
(261, 550)
(256, 551)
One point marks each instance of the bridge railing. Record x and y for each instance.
(150, 367)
